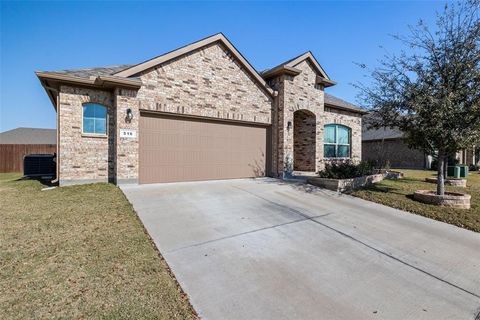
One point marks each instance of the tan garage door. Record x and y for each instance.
(183, 149)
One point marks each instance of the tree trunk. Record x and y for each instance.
(440, 174)
(445, 168)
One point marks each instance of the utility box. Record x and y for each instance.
(453, 171)
(463, 171)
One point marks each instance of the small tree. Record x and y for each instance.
(432, 93)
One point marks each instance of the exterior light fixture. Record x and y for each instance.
(129, 116)
(289, 125)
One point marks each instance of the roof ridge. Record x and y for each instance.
(179, 48)
(187, 49)
(285, 62)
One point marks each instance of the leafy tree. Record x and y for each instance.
(432, 92)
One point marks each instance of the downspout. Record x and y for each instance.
(277, 135)
(278, 169)
(57, 157)
(57, 105)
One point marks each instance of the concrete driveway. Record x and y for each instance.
(264, 249)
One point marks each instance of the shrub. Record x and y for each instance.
(346, 170)
(379, 164)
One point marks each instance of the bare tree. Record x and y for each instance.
(432, 92)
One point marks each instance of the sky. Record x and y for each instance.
(68, 35)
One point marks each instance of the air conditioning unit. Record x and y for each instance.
(39, 165)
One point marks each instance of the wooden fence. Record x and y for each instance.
(11, 155)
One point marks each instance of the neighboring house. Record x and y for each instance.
(386, 145)
(470, 156)
(197, 113)
(16, 143)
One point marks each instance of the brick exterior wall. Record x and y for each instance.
(304, 135)
(296, 94)
(278, 127)
(83, 158)
(470, 156)
(396, 152)
(126, 148)
(207, 82)
(351, 120)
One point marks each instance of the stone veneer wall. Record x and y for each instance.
(299, 93)
(83, 158)
(302, 93)
(351, 120)
(207, 82)
(126, 149)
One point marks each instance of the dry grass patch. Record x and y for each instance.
(80, 252)
(399, 194)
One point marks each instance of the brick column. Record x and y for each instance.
(126, 148)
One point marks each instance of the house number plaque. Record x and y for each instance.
(124, 133)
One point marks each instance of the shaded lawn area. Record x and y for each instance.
(80, 252)
(399, 194)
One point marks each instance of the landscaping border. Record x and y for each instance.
(462, 183)
(343, 185)
(449, 199)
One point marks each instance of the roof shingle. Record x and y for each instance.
(92, 72)
(29, 136)
(337, 102)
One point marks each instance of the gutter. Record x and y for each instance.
(281, 70)
(346, 109)
(101, 81)
(51, 82)
(325, 82)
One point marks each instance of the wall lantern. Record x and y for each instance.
(289, 125)
(129, 115)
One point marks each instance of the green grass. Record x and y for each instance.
(399, 194)
(80, 252)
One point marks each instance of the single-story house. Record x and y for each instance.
(19, 142)
(196, 113)
(470, 156)
(386, 145)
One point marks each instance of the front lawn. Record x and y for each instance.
(80, 252)
(399, 194)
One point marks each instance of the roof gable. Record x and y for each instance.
(289, 68)
(307, 56)
(219, 37)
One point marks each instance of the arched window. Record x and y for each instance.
(336, 141)
(94, 119)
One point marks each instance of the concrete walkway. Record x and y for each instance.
(264, 249)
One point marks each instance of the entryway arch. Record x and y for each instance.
(304, 140)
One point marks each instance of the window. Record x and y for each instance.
(336, 141)
(94, 119)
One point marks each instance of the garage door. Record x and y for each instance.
(184, 149)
